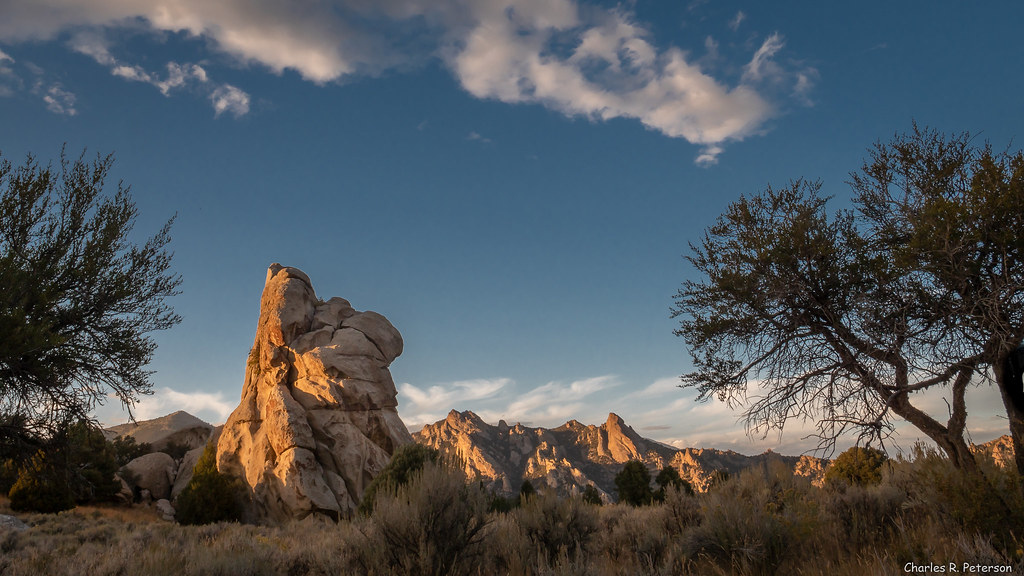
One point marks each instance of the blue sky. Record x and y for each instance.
(513, 183)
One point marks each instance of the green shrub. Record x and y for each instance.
(670, 478)
(405, 462)
(41, 486)
(592, 496)
(858, 466)
(633, 484)
(91, 463)
(431, 524)
(526, 490)
(8, 475)
(558, 527)
(989, 502)
(210, 496)
(126, 449)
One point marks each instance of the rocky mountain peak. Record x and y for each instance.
(570, 457)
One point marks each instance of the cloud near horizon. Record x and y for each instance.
(512, 51)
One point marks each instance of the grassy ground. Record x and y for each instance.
(922, 515)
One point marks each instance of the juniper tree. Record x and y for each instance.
(843, 317)
(78, 298)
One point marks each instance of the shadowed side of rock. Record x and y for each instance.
(317, 418)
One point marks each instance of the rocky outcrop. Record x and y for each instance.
(185, 469)
(999, 450)
(568, 458)
(317, 418)
(154, 472)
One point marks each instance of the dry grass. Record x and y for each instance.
(761, 522)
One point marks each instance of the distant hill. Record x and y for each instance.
(179, 428)
(574, 455)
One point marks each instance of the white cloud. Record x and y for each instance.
(613, 73)
(211, 407)
(474, 136)
(223, 97)
(762, 64)
(514, 51)
(734, 24)
(494, 399)
(4, 57)
(228, 98)
(57, 99)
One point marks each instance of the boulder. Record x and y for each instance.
(185, 469)
(165, 509)
(12, 523)
(317, 419)
(152, 472)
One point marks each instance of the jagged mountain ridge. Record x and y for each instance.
(573, 455)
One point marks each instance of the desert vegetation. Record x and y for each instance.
(920, 510)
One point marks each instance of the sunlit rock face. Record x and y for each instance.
(317, 419)
(568, 458)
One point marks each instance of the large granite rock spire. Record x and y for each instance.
(317, 419)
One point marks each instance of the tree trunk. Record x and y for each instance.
(1011, 388)
(951, 442)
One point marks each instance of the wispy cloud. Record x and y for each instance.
(57, 99)
(474, 136)
(177, 76)
(513, 51)
(228, 98)
(734, 24)
(211, 407)
(494, 399)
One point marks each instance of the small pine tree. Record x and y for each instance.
(592, 496)
(634, 484)
(210, 496)
(670, 478)
(526, 490)
(41, 486)
(859, 466)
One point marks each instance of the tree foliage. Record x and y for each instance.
(78, 297)
(42, 486)
(858, 466)
(405, 462)
(633, 484)
(841, 317)
(210, 496)
(669, 478)
(76, 466)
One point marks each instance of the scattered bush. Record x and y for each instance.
(858, 466)
(592, 496)
(210, 496)
(557, 526)
(430, 524)
(405, 462)
(761, 521)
